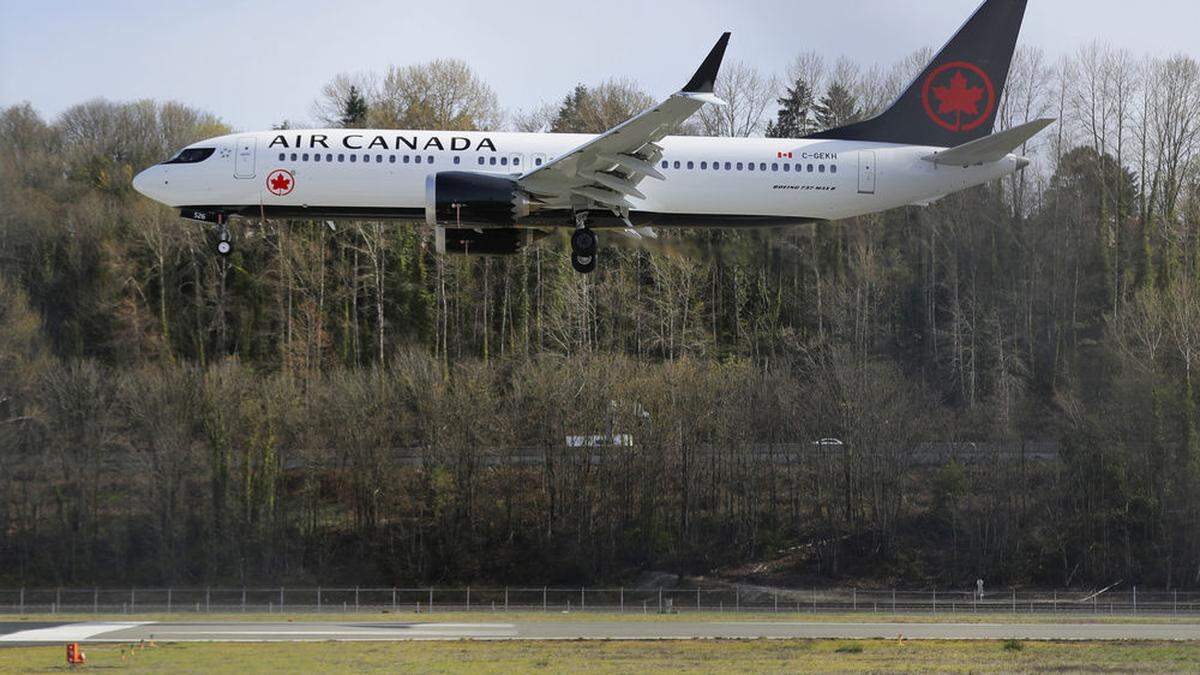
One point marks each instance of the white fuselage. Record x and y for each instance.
(356, 173)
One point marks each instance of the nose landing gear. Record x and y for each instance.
(218, 218)
(583, 246)
(224, 245)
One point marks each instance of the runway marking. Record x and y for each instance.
(533, 630)
(71, 632)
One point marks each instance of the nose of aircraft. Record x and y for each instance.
(142, 181)
(152, 183)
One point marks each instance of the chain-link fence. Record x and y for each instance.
(622, 600)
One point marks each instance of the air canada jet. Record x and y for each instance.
(492, 193)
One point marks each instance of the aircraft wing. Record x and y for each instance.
(605, 171)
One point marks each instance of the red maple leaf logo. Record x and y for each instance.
(958, 98)
(966, 104)
(280, 183)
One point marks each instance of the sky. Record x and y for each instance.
(254, 64)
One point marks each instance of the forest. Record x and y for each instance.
(335, 403)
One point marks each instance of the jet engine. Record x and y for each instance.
(476, 213)
(461, 199)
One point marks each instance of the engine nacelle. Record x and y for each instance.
(461, 199)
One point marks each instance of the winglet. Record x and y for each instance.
(704, 79)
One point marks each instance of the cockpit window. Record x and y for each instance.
(191, 156)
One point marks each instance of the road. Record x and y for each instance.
(233, 631)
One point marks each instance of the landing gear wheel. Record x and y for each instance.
(583, 250)
(583, 241)
(224, 247)
(583, 265)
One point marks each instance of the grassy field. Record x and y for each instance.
(618, 657)
(484, 616)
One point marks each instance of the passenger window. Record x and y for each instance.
(492, 161)
(833, 168)
(538, 161)
(304, 157)
(430, 158)
(353, 158)
(666, 165)
(503, 161)
(379, 159)
(676, 164)
(282, 156)
(516, 161)
(417, 159)
(703, 166)
(691, 165)
(480, 161)
(728, 166)
(329, 157)
(457, 159)
(739, 166)
(407, 159)
(775, 166)
(317, 157)
(750, 166)
(341, 157)
(822, 168)
(366, 158)
(762, 166)
(787, 168)
(810, 168)
(293, 156)
(391, 159)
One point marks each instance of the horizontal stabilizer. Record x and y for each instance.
(989, 148)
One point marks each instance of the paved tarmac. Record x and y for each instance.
(680, 629)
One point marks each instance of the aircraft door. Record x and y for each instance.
(244, 160)
(866, 172)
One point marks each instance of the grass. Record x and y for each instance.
(484, 616)
(616, 657)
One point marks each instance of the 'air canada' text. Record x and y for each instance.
(381, 142)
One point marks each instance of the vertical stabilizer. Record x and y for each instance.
(954, 100)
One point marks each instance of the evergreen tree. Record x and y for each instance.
(570, 118)
(838, 107)
(354, 109)
(794, 119)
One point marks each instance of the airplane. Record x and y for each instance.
(493, 193)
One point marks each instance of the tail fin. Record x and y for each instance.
(954, 100)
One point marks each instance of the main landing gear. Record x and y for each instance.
(583, 246)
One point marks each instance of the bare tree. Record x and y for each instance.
(536, 120)
(810, 68)
(748, 94)
(336, 95)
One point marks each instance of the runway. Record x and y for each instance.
(232, 631)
